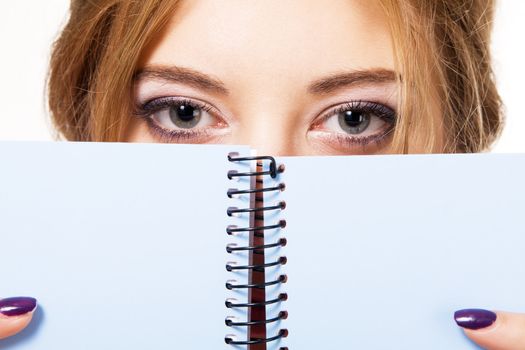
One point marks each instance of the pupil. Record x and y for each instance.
(354, 119)
(354, 122)
(185, 116)
(186, 113)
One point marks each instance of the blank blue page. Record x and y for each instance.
(123, 245)
(382, 250)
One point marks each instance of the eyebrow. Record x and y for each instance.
(338, 81)
(183, 76)
(321, 86)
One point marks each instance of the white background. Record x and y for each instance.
(28, 28)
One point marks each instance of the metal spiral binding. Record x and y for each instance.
(272, 171)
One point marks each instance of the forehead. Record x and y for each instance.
(272, 39)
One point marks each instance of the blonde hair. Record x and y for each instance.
(442, 51)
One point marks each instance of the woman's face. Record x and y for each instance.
(292, 77)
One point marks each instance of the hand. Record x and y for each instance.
(15, 315)
(493, 330)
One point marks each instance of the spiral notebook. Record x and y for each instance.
(213, 247)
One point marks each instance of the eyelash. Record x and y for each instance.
(380, 110)
(148, 109)
(383, 112)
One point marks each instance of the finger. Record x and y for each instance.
(493, 330)
(15, 315)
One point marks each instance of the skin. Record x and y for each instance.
(10, 326)
(260, 82)
(271, 103)
(507, 333)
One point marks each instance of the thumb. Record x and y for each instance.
(493, 330)
(15, 315)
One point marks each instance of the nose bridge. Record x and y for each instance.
(268, 112)
(268, 132)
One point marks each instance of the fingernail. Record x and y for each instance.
(474, 318)
(17, 306)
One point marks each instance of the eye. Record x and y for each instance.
(356, 122)
(181, 119)
(182, 114)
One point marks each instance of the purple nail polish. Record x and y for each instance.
(17, 306)
(474, 318)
